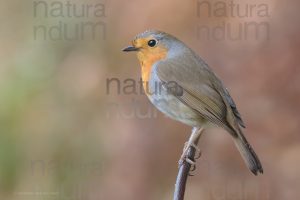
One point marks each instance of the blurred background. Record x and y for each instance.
(73, 126)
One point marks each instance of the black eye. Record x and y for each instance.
(152, 43)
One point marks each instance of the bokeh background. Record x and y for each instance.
(66, 134)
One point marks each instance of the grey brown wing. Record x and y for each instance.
(234, 109)
(197, 91)
(228, 100)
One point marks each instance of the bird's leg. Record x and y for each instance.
(191, 143)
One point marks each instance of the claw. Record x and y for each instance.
(198, 154)
(191, 162)
(193, 168)
(191, 174)
(196, 147)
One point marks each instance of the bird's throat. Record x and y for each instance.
(147, 61)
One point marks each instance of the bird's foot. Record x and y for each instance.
(185, 157)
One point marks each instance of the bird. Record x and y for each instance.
(180, 84)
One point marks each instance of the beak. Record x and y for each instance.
(130, 48)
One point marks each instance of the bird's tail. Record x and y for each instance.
(247, 152)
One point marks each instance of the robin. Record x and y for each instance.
(182, 86)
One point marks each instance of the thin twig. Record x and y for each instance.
(184, 171)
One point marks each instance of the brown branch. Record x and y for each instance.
(184, 171)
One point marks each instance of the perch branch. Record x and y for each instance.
(184, 170)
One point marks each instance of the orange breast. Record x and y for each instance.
(146, 72)
(147, 60)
